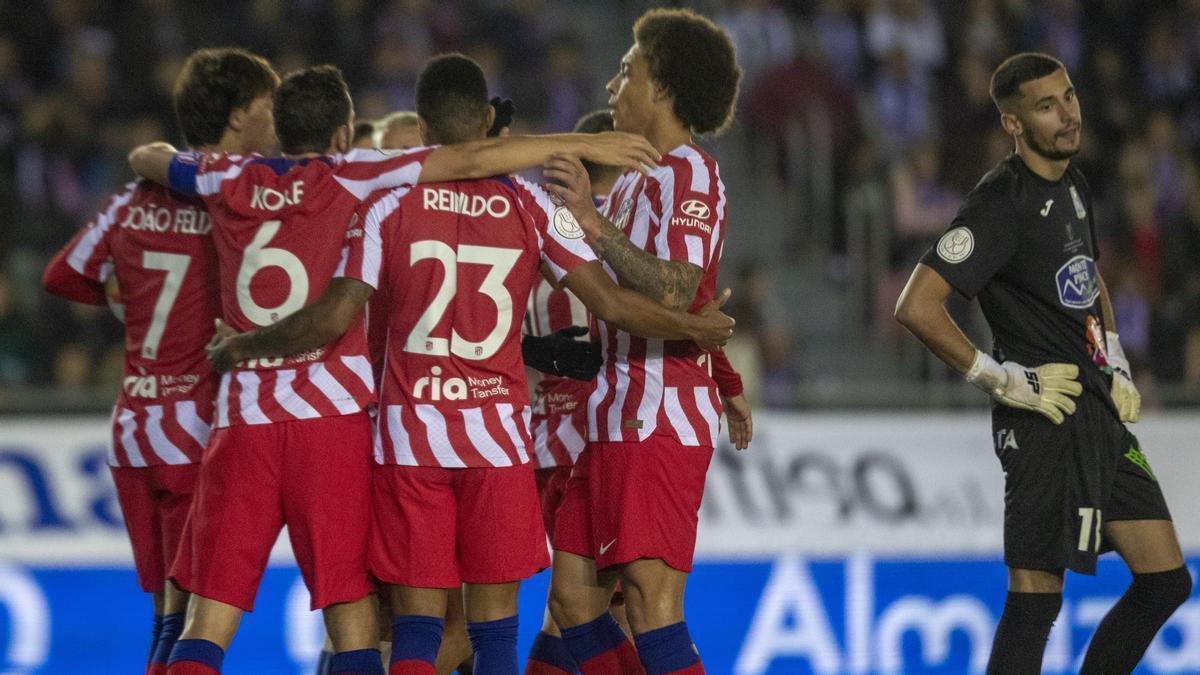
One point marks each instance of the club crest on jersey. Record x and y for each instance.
(956, 245)
(1080, 212)
(622, 218)
(566, 225)
(1077, 283)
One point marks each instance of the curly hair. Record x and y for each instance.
(214, 83)
(695, 61)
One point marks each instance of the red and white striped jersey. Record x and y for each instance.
(560, 403)
(159, 246)
(458, 260)
(648, 387)
(280, 227)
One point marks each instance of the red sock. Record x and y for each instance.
(411, 667)
(156, 669)
(694, 669)
(191, 668)
(533, 667)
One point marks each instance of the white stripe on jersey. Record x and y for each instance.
(700, 180)
(713, 253)
(506, 420)
(408, 174)
(372, 236)
(695, 249)
(705, 406)
(198, 429)
(652, 388)
(83, 251)
(332, 389)
(571, 440)
(248, 399)
(439, 438)
(361, 366)
(483, 442)
(223, 401)
(679, 420)
(666, 186)
(541, 446)
(289, 400)
(128, 442)
(399, 435)
(209, 182)
(159, 443)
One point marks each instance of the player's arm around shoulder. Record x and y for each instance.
(313, 326)
(153, 161)
(636, 314)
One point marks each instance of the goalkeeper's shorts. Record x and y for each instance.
(1062, 483)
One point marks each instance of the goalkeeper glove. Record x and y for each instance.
(1124, 394)
(504, 115)
(561, 354)
(1045, 389)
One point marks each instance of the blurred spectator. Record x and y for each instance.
(761, 33)
(763, 345)
(902, 113)
(923, 205)
(911, 27)
(840, 40)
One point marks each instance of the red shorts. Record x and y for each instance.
(313, 476)
(550, 486)
(438, 528)
(630, 501)
(155, 501)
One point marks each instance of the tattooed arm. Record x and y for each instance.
(315, 325)
(672, 283)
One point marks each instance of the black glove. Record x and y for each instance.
(504, 114)
(561, 354)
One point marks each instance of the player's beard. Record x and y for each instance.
(1048, 151)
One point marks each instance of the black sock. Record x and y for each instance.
(1126, 631)
(1021, 636)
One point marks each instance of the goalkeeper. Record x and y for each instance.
(1077, 482)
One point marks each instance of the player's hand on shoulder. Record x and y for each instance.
(222, 349)
(739, 419)
(712, 328)
(617, 148)
(568, 182)
(1047, 389)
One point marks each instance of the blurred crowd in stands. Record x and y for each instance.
(892, 94)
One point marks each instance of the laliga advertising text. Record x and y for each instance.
(882, 631)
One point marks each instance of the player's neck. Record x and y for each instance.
(667, 133)
(1050, 169)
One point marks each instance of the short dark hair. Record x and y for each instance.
(310, 105)
(452, 98)
(694, 60)
(1018, 69)
(212, 84)
(363, 130)
(595, 122)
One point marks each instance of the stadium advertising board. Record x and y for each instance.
(838, 544)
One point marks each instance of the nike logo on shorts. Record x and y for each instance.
(604, 547)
